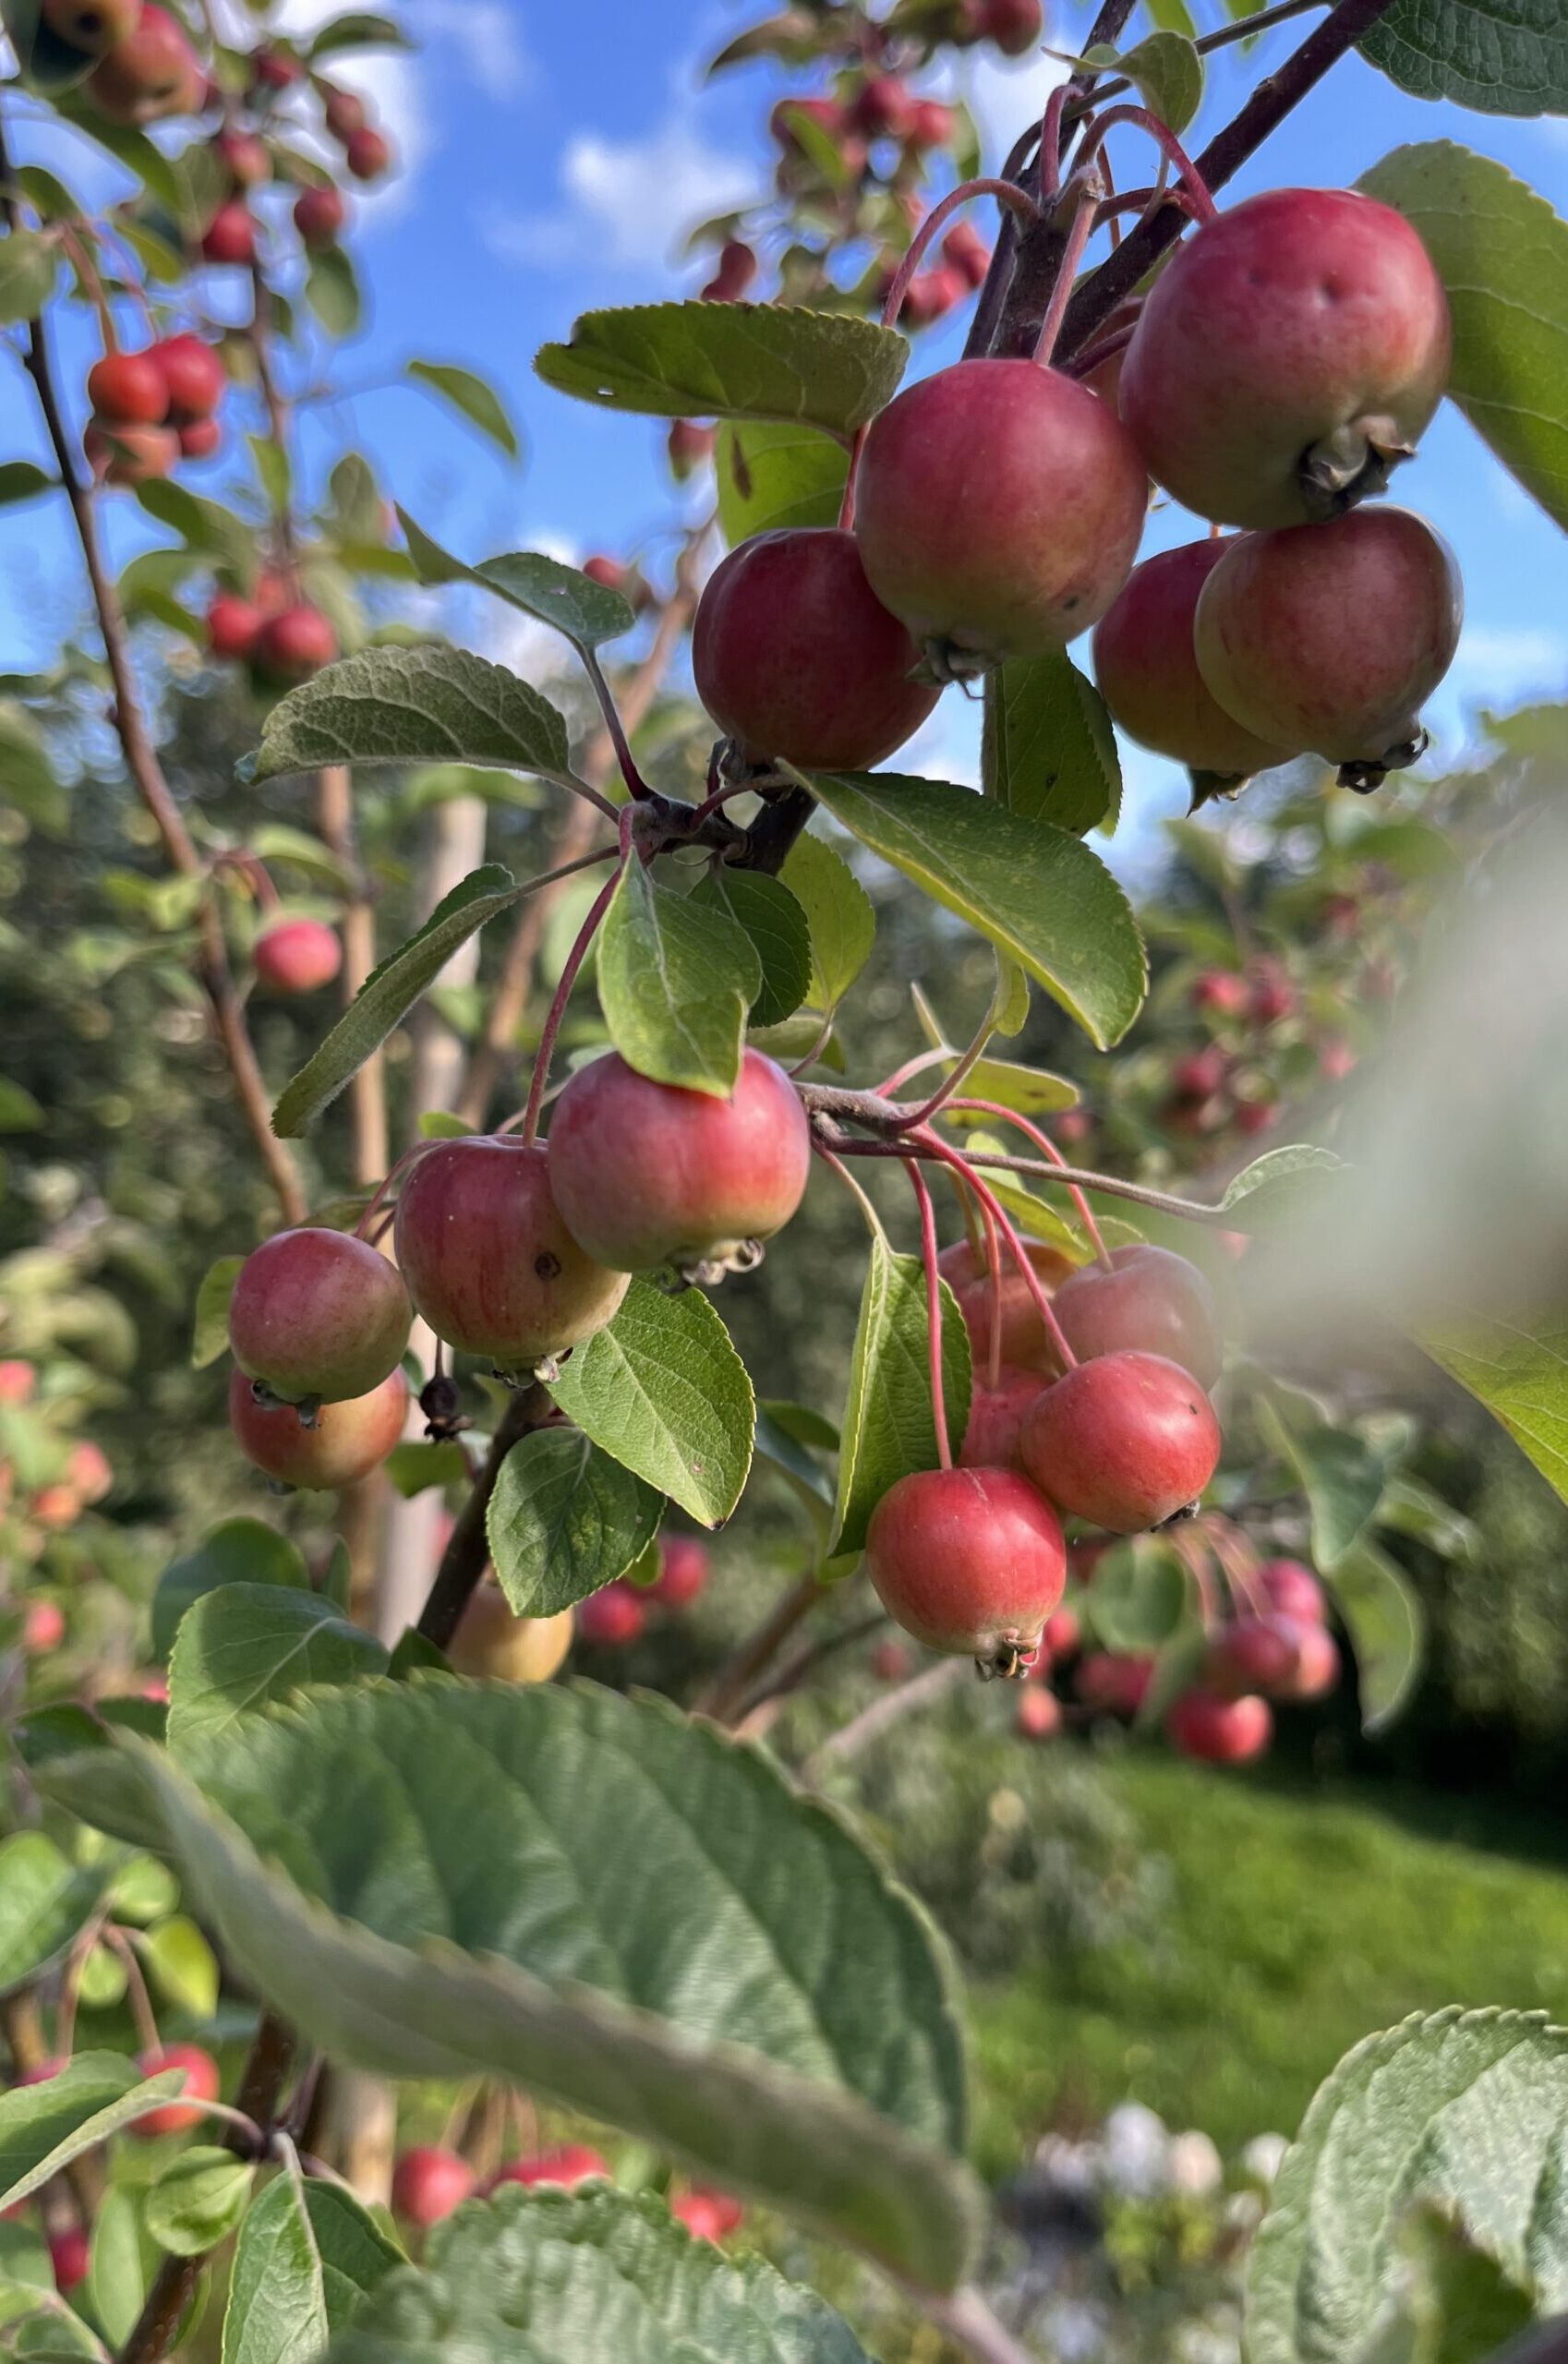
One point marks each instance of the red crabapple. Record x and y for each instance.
(318, 1313)
(1149, 677)
(368, 153)
(932, 125)
(567, 2163)
(1038, 1715)
(233, 624)
(971, 1562)
(88, 1471)
(127, 388)
(1219, 1732)
(709, 2215)
(273, 69)
(1220, 991)
(998, 509)
(1331, 636)
(1291, 1590)
(202, 439)
(1290, 353)
(736, 270)
(92, 25)
(1124, 1442)
(343, 112)
(682, 1571)
(18, 1381)
(230, 236)
(201, 2082)
(648, 1174)
(608, 573)
(1201, 1074)
(55, 1507)
(1014, 25)
(612, 1618)
(1272, 997)
(1254, 1654)
(345, 1443)
(43, 1626)
(319, 216)
(688, 447)
(1115, 1682)
(152, 72)
(490, 1640)
(794, 655)
(194, 374)
(1064, 1633)
(296, 955)
(244, 155)
(1152, 1298)
(826, 115)
(930, 296)
(429, 2183)
(883, 108)
(892, 1662)
(130, 455)
(1024, 1343)
(296, 643)
(487, 1256)
(1317, 1664)
(966, 251)
(70, 2252)
(995, 1417)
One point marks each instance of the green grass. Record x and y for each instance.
(1297, 1924)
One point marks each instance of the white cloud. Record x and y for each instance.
(629, 202)
(1004, 93)
(487, 37)
(1500, 662)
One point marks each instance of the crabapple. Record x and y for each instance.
(932, 125)
(1219, 1732)
(319, 216)
(892, 1662)
(152, 72)
(682, 1572)
(883, 108)
(18, 1381)
(230, 236)
(1014, 25)
(131, 455)
(1150, 1298)
(1317, 1664)
(199, 438)
(1272, 995)
(88, 1471)
(1331, 636)
(1254, 1654)
(194, 374)
(1254, 1115)
(490, 1640)
(971, 1562)
(244, 155)
(69, 2254)
(647, 1174)
(1116, 1681)
(1201, 1074)
(607, 572)
(366, 152)
(343, 112)
(487, 1256)
(612, 1618)
(1024, 1343)
(1290, 353)
(92, 25)
(55, 1507)
(785, 121)
(1124, 1442)
(318, 1313)
(232, 625)
(967, 253)
(930, 296)
(1149, 677)
(567, 2163)
(273, 69)
(201, 2083)
(1064, 1633)
(296, 955)
(688, 447)
(296, 643)
(736, 268)
(795, 656)
(707, 2216)
(995, 1416)
(128, 389)
(1038, 1715)
(43, 1626)
(429, 2183)
(346, 1441)
(40, 2074)
(1336, 1060)
(1221, 992)
(998, 509)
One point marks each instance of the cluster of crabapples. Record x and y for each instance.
(430, 2181)
(1287, 356)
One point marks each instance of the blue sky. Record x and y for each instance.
(555, 156)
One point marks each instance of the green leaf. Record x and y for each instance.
(890, 1425)
(332, 290)
(730, 361)
(565, 1519)
(1047, 749)
(244, 1644)
(45, 1902)
(1520, 1375)
(307, 2256)
(801, 1472)
(19, 1112)
(1033, 891)
(1342, 1475)
(815, 2060)
(22, 480)
(771, 917)
(209, 1328)
(1463, 2112)
(30, 265)
(568, 2277)
(473, 396)
(124, 2260)
(238, 1552)
(675, 980)
(1139, 1599)
(772, 476)
(273, 471)
(358, 29)
(838, 915)
(664, 1393)
(1499, 58)
(204, 526)
(1383, 1616)
(43, 2128)
(413, 1466)
(1280, 1183)
(572, 603)
(1501, 253)
(198, 2200)
(1168, 71)
(390, 991)
(274, 841)
(411, 706)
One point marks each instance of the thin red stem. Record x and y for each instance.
(1077, 238)
(637, 786)
(1081, 364)
(932, 1311)
(562, 995)
(1192, 180)
(1050, 144)
(994, 1278)
(362, 1229)
(1047, 1148)
(933, 1146)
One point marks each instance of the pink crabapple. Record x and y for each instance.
(1115, 1683)
(682, 1571)
(1219, 1732)
(128, 390)
(1149, 677)
(152, 72)
(233, 624)
(1038, 1715)
(296, 955)
(612, 1618)
(318, 1313)
(368, 153)
(567, 2163)
(347, 1440)
(429, 2183)
(130, 455)
(709, 2215)
(1125, 1442)
(970, 1561)
(43, 1626)
(995, 1418)
(1024, 1342)
(230, 236)
(193, 373)
(319, 216)
(296, 643)
(70, 2253)
(201, 2083)
(1150, 1298)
